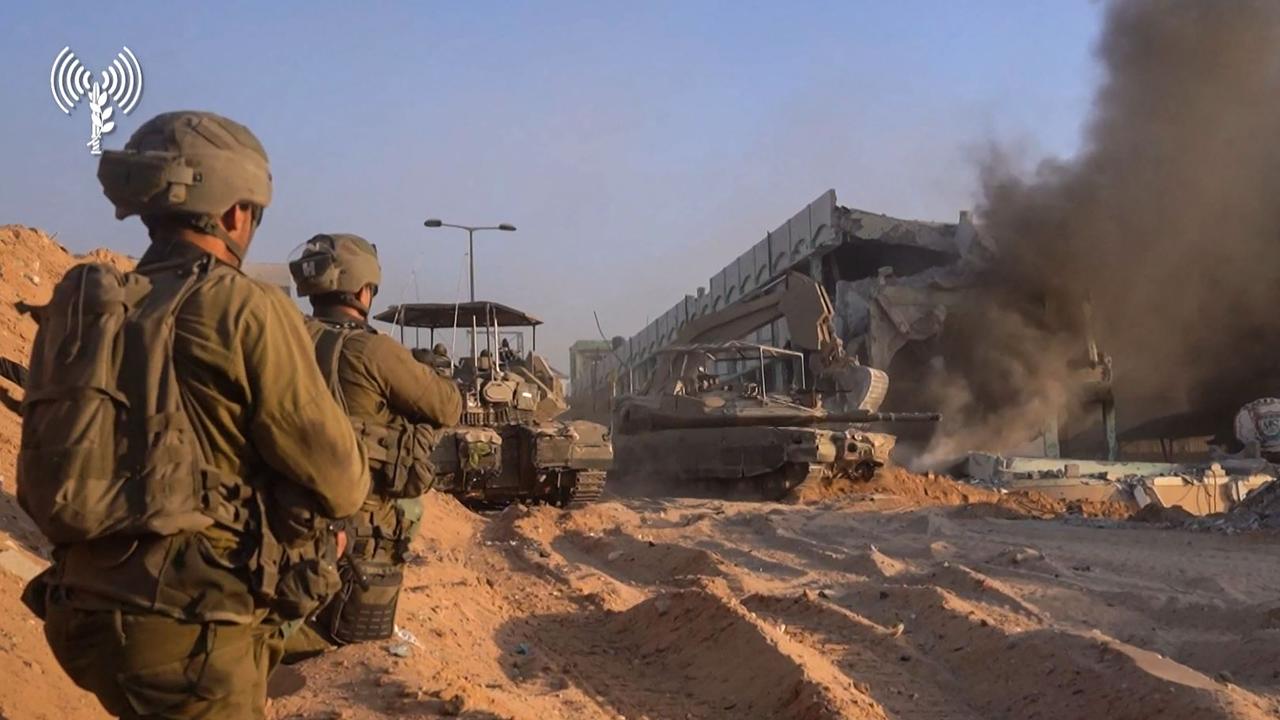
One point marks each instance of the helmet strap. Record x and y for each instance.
(209, 225)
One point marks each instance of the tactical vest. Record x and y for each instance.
(399, 451)
(107, 447)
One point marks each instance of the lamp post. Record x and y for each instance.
(471, 247)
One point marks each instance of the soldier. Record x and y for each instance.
(396, 404)
(440, 360)
(174, 474)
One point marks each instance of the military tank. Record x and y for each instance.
(511, 445)
(710, 424)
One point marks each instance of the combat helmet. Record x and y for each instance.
(188, 163)
(337, 264)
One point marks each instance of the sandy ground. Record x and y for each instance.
(912, 597)
(853, 609)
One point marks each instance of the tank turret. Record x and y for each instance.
(725, 417)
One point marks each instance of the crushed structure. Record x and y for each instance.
(841, 248)
(895, 287)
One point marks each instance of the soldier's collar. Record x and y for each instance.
(335, 317)
(168, 247)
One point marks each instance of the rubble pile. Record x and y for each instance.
(1259, 511)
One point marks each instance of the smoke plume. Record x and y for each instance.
(1167, 222)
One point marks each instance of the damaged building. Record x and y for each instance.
(890, 281)
(919, 300)
(856, 255)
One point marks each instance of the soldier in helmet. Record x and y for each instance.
(167, 564)
(441, 361)
(396, 404)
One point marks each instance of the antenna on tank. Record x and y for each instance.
(457, 294)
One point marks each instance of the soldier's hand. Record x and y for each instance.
(341, 538)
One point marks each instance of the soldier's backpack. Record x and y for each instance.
(107, 447)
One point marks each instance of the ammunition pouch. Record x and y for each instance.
(379, 532)
(292, 513)
(399, 452)
(399, 456)
(309, 578)
(365, 609)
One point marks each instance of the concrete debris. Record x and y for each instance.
(1198, 489)
(1260, 510)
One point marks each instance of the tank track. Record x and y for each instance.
(588, 486)
(767, 487)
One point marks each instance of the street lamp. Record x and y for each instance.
(471, 247)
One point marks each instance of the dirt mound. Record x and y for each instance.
(910, 489)
(998, 662)
(120, 262)
(31, 263)
(447, 525)
(542, 523)
(641, 561)
(899, 483)
(928, 489)
(700, 651)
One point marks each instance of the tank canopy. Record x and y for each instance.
(481, 313)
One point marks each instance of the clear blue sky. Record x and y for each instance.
(638, 146)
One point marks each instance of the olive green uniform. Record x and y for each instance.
(380, 382)
(177, 626)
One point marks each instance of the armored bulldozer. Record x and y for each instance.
(510, 446)
(740, 419)
(724, 417)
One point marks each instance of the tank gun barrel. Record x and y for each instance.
(870, 417)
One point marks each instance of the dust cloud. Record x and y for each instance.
(1166, 223)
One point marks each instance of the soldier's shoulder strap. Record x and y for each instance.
(330, 340)
(13, 371)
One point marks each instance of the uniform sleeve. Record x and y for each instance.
(413, 389)
(297, 426)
